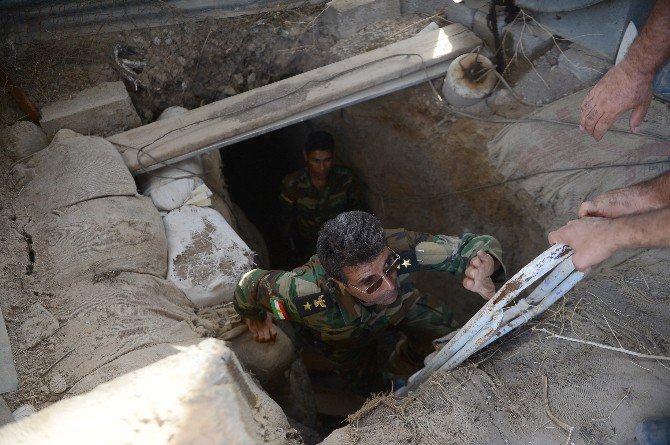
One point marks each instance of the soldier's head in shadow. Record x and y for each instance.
(318, 154)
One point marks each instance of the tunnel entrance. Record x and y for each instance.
(254, 169)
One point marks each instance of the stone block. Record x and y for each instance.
(583, 64)
(424, 6)
(103, 110)
(460, 13)
(527, 40)
(200, 395)
(346, 17)
(22, 139)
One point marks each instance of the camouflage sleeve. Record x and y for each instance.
(260, 291)
(445, 253)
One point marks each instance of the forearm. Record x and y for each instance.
(655, 191)
(247, 299)
(651, 48)
(650, 229)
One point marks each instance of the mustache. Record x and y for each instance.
(387, 295)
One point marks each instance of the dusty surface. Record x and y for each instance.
(423, 169)
(498, 395)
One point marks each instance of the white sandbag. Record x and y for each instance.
(205, 256)
(170, 187)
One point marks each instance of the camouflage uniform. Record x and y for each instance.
(344, 327)
(305, 209)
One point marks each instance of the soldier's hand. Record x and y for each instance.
(592, 239)
(263, 331)
(478, 275)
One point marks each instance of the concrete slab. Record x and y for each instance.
(103, 110)
(527, 39)
(8, 378)
(346, 17)
(200, 395)
(547, 81)
(583, 64)
(460, 13)
(480, 26)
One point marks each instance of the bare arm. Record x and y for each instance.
(627, 86)
(596, 239)
(642, 197)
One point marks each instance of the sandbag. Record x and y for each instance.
(170, 187)
(205, 255)
(575, 164)
(72, 169)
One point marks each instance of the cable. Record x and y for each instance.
(142, 150)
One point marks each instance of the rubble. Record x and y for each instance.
(23, 139)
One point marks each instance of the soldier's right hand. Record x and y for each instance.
(263, 331)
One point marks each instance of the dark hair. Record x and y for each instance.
(349, 239)
(319, 140)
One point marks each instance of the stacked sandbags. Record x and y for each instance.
(206, 256)
(99, 259)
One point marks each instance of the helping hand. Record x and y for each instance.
(621, 89)
(263, 331)
(478, 275)
(590, 238)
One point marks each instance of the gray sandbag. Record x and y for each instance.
(265, 361)
(98, 237)
(106, 319)
(523, 149)
(72, 170)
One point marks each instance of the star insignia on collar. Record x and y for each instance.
(406, 263)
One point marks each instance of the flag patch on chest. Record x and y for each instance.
(278, 310)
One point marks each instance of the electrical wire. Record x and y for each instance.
(141, 151)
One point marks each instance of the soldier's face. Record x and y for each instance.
(362, 276)
(319, 163)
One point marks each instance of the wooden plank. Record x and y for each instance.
(176, 137)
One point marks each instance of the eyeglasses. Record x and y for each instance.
(393, 260)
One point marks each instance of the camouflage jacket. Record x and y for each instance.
(309, 208)
(306, 296)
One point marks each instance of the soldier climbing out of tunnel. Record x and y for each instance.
(315, 194)
(358, 286)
